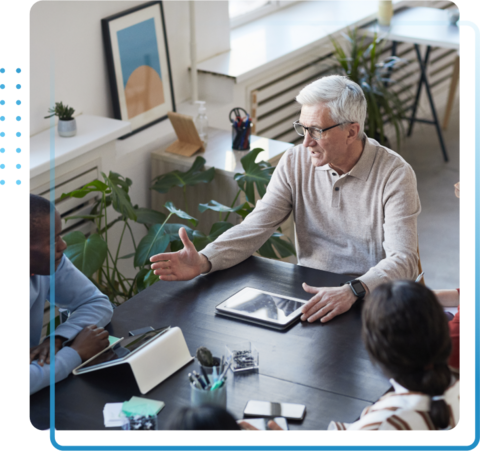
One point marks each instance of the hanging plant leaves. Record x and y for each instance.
(256, 175)
(193, 176)
(87, 254)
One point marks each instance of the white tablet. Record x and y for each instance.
(119, 351)
(261, 307)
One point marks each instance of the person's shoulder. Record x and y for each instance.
(295, 156)
(387, 157)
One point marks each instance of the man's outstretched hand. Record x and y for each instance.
(181, 265)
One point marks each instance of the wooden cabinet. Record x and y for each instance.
(223, 188)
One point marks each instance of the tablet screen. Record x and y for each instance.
(124, 348)
(262, 305)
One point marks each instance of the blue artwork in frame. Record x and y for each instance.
(138, 65)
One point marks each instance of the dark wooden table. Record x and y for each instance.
(324, 366)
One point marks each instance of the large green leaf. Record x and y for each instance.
(243, 210)
(172, 231)
(87, 254)
(163, 183)
(256, 174)
(95, 186)
(180, 213)
(119, 196)
(200, 240)
(144, 278)
(154, 242)
(149, 217)
(283, 246)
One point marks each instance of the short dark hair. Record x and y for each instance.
(405, 331)
(203, 418)
(39, 208)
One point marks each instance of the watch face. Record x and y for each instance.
(358, 287)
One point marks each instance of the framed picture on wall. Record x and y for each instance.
(138, 65)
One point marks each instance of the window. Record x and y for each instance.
(238, 8)
(243, 11)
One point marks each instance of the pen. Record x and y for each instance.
(419, 278)
(204, 374)
(194, 381)
(199, 379)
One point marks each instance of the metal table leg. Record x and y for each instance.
(423, 80)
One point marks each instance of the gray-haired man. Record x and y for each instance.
(355, 205)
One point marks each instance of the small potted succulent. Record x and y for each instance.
(67, 125)
(208, 363)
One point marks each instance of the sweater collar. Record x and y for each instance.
(363, 167)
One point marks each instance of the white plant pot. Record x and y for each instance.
(67, 128)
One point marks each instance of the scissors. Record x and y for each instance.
(237, 115)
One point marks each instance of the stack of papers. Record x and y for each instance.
(113, 415)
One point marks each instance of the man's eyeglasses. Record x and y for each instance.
(315, 133)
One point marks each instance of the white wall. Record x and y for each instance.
(68, 34)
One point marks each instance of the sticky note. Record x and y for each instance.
(142, 406)
(112, 339)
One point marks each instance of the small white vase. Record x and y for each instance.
(67, 128)
(385, 12)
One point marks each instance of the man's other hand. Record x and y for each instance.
(42, 351)
(182, 265)
(90, 341)
(327, 302)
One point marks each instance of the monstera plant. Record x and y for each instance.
(255, 177)
(93, 255)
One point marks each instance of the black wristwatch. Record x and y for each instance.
(357, 288)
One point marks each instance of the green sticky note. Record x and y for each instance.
(142, 406)
(112, 339)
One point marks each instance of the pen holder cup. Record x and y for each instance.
(245, 356)
(241, 136)
(200, 397)
(212, 372)
(140, 423)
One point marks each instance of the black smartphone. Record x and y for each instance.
(275, 409)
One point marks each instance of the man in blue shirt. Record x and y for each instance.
(89, 308)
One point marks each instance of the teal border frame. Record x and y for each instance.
(474, 444)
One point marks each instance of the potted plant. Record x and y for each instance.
(362, 64)
(67, 125)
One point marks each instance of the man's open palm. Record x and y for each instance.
(182, 265)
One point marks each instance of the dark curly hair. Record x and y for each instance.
(405, 331)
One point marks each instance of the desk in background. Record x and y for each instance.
(421, 26)
(324, 366)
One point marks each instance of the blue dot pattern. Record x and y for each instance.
(12, 128)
